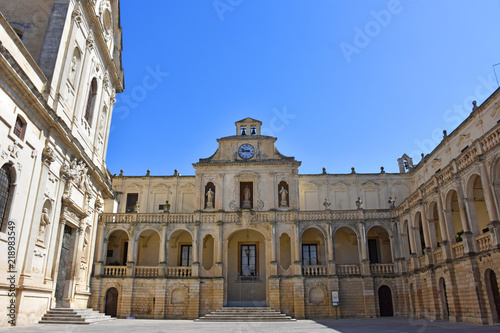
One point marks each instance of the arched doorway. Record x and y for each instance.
(111, 302)
(444, 299)
(493, 294)
(385, 301)
(246, 269)
(379, 245)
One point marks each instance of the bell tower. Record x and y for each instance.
(248, 126)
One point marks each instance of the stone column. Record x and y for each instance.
(329, 249)
(218, 254)
(444, 226)
(468, 236)
(411, 236)
(363, 247)
(274, 260)
(131, 255)
(162, 265)
(196, 263)
(491, 206)
(101, 246)
(296, 251)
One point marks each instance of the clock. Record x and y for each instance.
(246, 151)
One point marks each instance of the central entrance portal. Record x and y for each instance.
(246, 272)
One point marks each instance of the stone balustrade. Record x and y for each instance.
(180, 271)
(382, 268)
(458, 250)
(347, 269)
(438, 256)
(484, 242)
(232, 217)
(421, 261)
(115, 270)
(146, 271)
(314, 270)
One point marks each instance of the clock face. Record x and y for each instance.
(246, 151)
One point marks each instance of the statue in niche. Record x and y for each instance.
(283, 193)
(246, 196)
(44, 221)
(210, 198)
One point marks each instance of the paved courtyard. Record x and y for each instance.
(323, 326)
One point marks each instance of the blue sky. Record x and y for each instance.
(340, 83)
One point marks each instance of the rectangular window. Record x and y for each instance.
(161, 207)
(309, 254)
(19, 128)
(131, 200)
(248, 260)
(186, 255)
(373, 251)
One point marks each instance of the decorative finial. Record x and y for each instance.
(148, 173)
(176, 172)
(359, 203)
(121, 173)
(392, 202)
(382, 170)
(324, 171)
(474, 105)
(327, 204)
(352, 170)
(445, 134)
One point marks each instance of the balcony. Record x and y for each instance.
(146, 271)
(115, 271)
(382, 268)
(348, 269)
(484, 242)
(232, 217)
(314, 270)
(458, 250)
(180, 271)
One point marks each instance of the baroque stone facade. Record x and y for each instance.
(249, 230)
(60, 70)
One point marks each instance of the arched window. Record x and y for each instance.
(5, 195)
(91, 101)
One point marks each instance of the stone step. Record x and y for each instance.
(73, 316)
(245, 314)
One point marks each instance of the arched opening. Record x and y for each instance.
(207, 261)
(346, 247)
(283, 194)
(453, 212)
(285, 251)
(493, 294)
(434, 226)
(313, 247)
(91, 99)
(444, 299)
(385, 301)
(419, 235)
(478, 210)
(111, 301)
(7, 179)
(379, 245)
(148, 248)
(180, 253)
(117, 251)
(246, 269)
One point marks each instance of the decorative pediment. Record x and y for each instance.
(339, 185)
(132, 187)
(160, 187)
(187, 188)
(369, 184)
(246, 175)
(310, 186)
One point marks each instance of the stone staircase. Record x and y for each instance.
(245, 314)
(73, 316)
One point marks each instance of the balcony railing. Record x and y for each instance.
(438, 256)
(146, 271)
(484, 242)
(314, 270)
(232, 217)
(458, 250)
(179, 271)
(115, 270)
(347, 269)
(382, 268)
